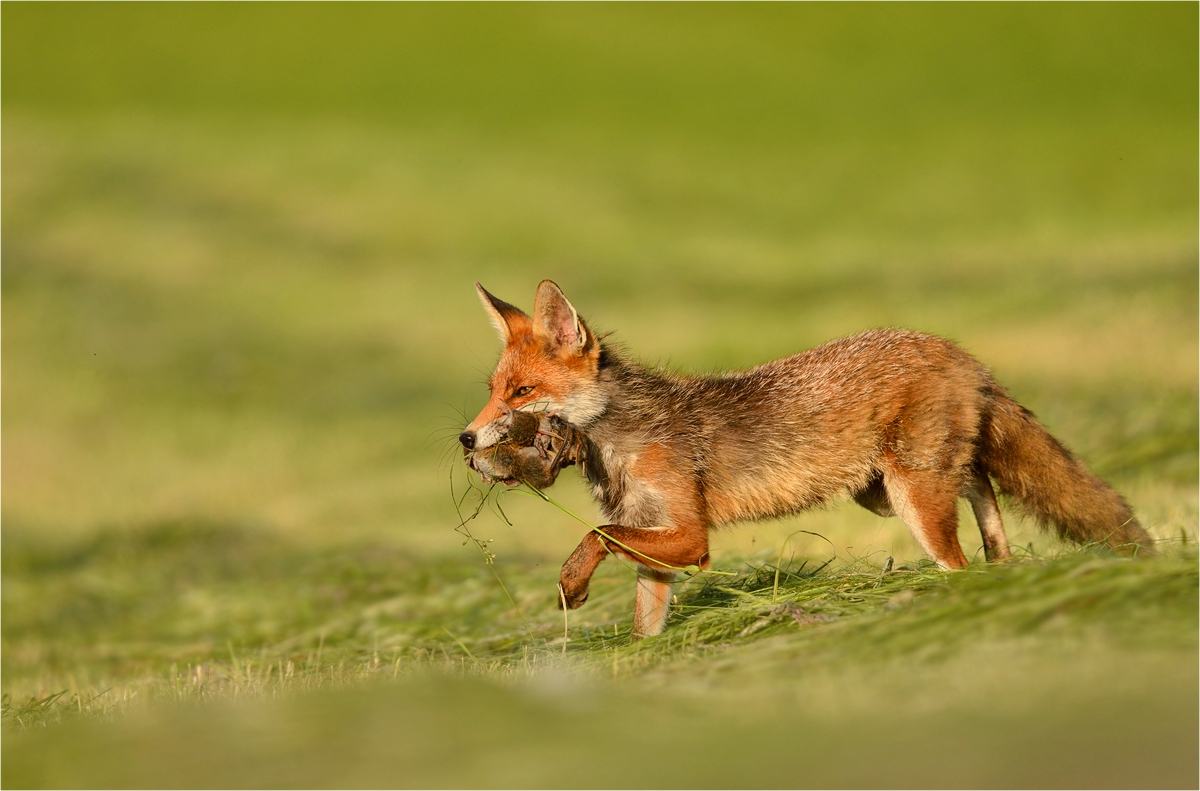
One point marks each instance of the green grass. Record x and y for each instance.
(365, 667)
(240, 335)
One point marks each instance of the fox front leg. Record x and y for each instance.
(657, 551)
(652, 602)
(577, 572)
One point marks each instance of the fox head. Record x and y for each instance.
(550, 363)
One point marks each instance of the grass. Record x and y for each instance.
(344, 656)
(240, 336)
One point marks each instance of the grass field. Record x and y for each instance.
(240, 335)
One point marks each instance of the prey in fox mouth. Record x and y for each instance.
(535, 446)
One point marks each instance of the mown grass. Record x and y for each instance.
(1074, 654)
(240, 337)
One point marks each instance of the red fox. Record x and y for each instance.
(902, 422)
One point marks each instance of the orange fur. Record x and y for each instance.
(900, 421)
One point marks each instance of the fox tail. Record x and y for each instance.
(1052, 486)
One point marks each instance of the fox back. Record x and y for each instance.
(799, 431)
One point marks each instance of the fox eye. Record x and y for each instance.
(522, 391)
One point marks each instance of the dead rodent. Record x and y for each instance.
(535, 448)
(523, 427)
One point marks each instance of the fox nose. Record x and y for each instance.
(467, 438)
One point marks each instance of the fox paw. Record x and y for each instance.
(572, 598)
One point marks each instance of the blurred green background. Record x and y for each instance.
(240, 333)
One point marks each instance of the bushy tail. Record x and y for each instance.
(1052, 485)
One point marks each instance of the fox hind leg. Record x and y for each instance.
(930, 510)
(987, 515)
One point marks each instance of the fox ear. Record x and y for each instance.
(557, 321)
(507, 319)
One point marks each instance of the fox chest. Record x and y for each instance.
(629, 491)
